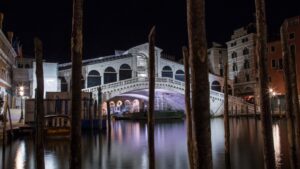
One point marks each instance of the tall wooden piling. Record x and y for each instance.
(76, 53)
(200, 84)
(188, 106)
(40, 164)
(151, 72)
(226, 115)
(266, 119)
(290, 114)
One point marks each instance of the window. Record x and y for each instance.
(245, 40)
(292, 36)
(233, 44)
(235, 79)
(233, 55)
(274, 65)
(221, 72)
(246, 51)
(272, 48)
(280, 64)
(293, 50)
(234, 67)
(220, 52)
(246, 64)
(247, 77)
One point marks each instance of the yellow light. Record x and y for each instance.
(270, 90)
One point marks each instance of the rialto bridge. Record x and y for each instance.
(124, 83)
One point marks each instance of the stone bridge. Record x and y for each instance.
(125, 87)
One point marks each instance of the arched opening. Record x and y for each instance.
(135, 106)
(110, 75)
(167, 72)
(94, 79)
(127, 106)
(118, 108)
(104, 108)
(216, 86)
(179, 75)
(63, 84)
(112, 107)
(125, 72)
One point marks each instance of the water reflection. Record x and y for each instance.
(126, 147)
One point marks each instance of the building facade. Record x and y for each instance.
(216, 55)
(242, 60)
(7, 60)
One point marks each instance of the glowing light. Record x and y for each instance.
(20, 157)
(270, 90)
(276, 138)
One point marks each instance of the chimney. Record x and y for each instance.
(10, 36)
(1, 20)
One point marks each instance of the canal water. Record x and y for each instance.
(127, 147)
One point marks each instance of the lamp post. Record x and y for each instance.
(21, 93)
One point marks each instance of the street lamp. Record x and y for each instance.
(21, 93)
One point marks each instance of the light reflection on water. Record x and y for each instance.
(128, 147)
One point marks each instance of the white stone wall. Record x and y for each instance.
(50, 78)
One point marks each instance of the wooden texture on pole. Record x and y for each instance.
(290, 114)
(226, 115)
(200, 84)
(40, 163)
(76, 53)
(188, 106)
(151, 72)
(261, 51)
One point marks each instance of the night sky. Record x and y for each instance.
(121, 24)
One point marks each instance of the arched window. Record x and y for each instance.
(94, 79)
(179, 75)
(110, 75)
(125, 72)
(229, 89)
(246, 64)
(63, 85)
(167, 72)
(215, 85)
(82, 82)
(233, 55)
(246, 51)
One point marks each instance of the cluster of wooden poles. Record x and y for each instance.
(197, 105)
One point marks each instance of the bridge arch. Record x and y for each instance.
(167, 72)
(215, 85)
(125, 72)
(110, 75)
(94, 79)
(179, 75)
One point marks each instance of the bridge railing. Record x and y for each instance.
(113, 85)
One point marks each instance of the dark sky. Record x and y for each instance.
(121, 24)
